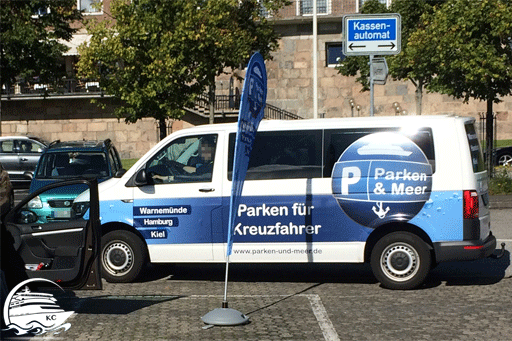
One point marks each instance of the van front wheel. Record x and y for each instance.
(400, 260)
(123, 256)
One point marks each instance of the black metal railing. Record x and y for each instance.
(275, 113)
(222, 102)
(60, 87)
(225, 103)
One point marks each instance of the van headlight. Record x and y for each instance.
(80, 208)
(35, 203)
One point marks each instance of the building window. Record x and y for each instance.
(334, 54)
(90, 6)
(305, 7)
(39, 12)
(360, 3)
(264, 12)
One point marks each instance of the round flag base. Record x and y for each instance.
(225, 317)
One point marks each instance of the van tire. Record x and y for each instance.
(401, 260)
(123, 256)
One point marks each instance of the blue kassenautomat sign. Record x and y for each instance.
(382, 177)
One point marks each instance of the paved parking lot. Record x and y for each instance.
(325, 302)
(460, 301)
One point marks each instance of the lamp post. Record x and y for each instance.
(315, 61)
(397, 108)
(352, 105)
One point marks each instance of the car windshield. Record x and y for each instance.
(60, 165)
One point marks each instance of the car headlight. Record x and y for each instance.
(35, 203)
(80, 208)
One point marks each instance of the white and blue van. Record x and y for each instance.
(401, 193)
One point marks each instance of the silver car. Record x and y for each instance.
(19, 156)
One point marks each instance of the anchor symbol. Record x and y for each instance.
(380, 213)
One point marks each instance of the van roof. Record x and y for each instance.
(347, 122)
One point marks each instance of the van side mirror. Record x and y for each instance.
(141, 178)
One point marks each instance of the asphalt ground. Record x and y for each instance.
(459, 301)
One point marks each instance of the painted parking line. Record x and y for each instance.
(323, 318)
(317, 307)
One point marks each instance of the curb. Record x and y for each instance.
(500, 201)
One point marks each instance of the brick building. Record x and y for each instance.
(69, 114)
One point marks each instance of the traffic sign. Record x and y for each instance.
(372, 34)
(380, 71)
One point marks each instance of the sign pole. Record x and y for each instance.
(371, 35)
(371, 86)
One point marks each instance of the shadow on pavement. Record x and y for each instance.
(115, 305)
(107, 304)
(307, 273)
(480, 272)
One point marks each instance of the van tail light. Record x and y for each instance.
(470, 205)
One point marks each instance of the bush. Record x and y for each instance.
(127, 163)
(501, 182)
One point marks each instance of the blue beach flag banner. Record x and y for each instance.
(252, 105)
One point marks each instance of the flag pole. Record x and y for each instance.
(225, 300)
(252, 105)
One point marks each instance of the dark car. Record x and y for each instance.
(503, 156)
(19, 156)
(6, 192)
(67, 160)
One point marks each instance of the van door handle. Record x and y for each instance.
(206, 190)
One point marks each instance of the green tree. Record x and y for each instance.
(407, 65)
(469, 43)
(30, 31)
(158, 55)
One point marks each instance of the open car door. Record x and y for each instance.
(62, 247)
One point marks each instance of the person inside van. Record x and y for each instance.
(199, 166)
(203, 162)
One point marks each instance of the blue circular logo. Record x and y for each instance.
(382, 177)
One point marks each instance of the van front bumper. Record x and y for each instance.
(464, 250)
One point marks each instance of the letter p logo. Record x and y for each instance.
(350, 176)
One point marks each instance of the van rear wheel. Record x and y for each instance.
(123, 256)
(401, 260)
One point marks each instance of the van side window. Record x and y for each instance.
(477, 159)
(187, 159)
(282, 155)
(337, 140)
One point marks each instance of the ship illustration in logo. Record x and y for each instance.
(27, 312)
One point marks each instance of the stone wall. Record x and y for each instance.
(79, 119)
